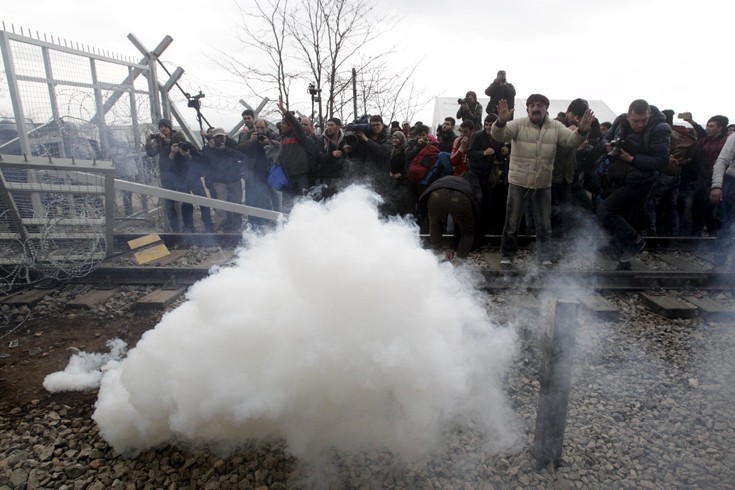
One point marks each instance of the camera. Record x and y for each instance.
(361, 125)
(193, 100)
(262, 137)
(616, 146)
(185, 146)
(461, 101)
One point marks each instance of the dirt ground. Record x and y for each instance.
(43, 348)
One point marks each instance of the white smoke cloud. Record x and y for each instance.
(84, 370)
(335, 331)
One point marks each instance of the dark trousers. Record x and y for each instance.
(614, 213)
(518, 198)
(172, 183)
(195, 186)
(662, 200)
(445, 202)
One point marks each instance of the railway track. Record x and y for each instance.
(672, 274)
(671, 263)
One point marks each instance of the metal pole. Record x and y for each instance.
(354, 92)
(20, 118)
(556, 378)
(52, 99)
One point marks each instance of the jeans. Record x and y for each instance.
(540, 200)
(663, 196)
(613, 213)
(299, 183)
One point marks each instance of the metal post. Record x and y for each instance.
(354, 92)
(52, 99)
(101, 125)
(556, 378)
(20, 118)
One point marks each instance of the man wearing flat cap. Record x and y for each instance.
(534, 140)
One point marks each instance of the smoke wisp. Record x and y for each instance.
(84, 370)
(336, 331)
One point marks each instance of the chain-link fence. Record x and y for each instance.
(74, 103)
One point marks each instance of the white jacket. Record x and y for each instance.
(725, 163)
(533, 149)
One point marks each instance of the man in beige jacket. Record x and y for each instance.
(534, 140)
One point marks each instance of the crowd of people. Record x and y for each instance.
(639, 175)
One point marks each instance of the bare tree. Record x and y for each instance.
(392, 94)
(266, 31)
(320, 42)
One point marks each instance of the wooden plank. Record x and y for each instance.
(669, 306)
(92, 298)
(555, 378)
(600, 307)
(711, 309)
(159, 299)
(144, 240)
(27, 298)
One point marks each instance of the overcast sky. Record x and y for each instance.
(672, 53)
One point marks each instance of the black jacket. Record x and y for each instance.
(650, 150)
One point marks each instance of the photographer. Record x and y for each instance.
(368, 155)
(470, 109)
(294, 156)
(193, 166)
(499, 90)
(640, 142)
(172, 175)
(257, 191)
(225, 172)
(331, 157)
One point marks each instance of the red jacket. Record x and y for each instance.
(459, 158)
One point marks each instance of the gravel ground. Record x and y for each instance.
(651, 407)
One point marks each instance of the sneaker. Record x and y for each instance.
(506, 262)
(631, 252)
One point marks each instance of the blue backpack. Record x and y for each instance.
(441, 168)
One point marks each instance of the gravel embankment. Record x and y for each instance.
(652, 406)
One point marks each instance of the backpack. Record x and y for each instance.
(441, 168)
(422, 163)
(601, 181)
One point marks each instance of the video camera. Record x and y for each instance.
(361, 125)
(616, 146)
(194, 101)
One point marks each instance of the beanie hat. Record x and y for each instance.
(537, 98)
(218, 132)
(165, 122)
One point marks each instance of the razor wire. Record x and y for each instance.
(81, 105)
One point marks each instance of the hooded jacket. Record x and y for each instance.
(650, 149)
